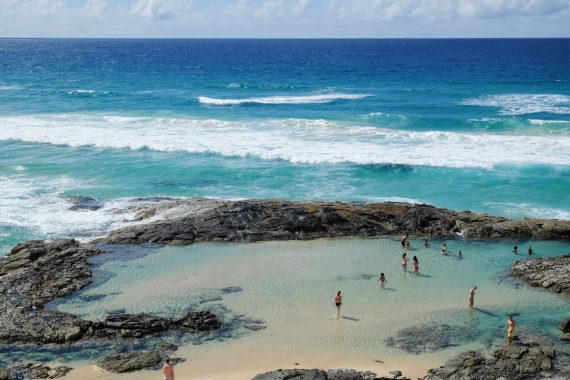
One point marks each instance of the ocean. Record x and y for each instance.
(466, 124)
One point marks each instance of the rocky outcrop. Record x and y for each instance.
(258, 220)
(38, 272)
(430, 338)
(551, 273)
(565, 326)
(317, 374)
(32, 371)
(129, 362)
(80, 202)
(519, 361)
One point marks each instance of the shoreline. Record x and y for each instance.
(39, 257)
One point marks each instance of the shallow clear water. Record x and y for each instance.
(465, 124)
(290, 286)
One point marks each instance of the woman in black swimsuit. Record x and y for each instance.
(338, 303)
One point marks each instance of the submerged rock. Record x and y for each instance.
(259, 220)
(565, 326)
(32, 371)
(430, 338)
(129, 362)
(80, 202)
(38, 272)
(551, 273)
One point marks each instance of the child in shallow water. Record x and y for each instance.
(382, 280)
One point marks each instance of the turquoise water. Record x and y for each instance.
(465, 124)
(290, 286)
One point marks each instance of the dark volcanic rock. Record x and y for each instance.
(296, 374)
(565, 326)
(349, 374)
(129, 362)
(32, 371)
(552, 273)
(37, 272)
(317, 374)
(79, 202)
(519, 361)
(429, 338)
(258, 220)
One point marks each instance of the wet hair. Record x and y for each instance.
(167, 360)
(338, 293)
(382, 274)
(415, 258)
(404, 255)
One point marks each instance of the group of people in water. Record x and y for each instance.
(516, 250)
(416, 269)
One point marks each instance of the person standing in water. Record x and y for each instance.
(382, 280)
(472, 297)
(510, 329)
(516, 249)
(168, 370)
(416, 265)
(459, 255)
(426, 243)
(443, 248)
(530, 252)
(405, 262)
(338, 303)
(404, 240)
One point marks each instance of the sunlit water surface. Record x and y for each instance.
(290, 285)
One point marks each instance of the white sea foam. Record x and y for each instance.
(10, 87)
(81, 92)
(36, 203)
(307, 99)
(546, 122)
(295, 140)
(520, 104)
(518, 210)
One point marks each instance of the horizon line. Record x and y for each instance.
(284, 38)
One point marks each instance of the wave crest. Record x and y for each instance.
(303, 99)
(301, 141)
(521, 104)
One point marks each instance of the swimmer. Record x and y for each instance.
(530, 251)
(426, 243)
(516, 249)
(510, 329)
(405, 262)
(443, 248)
(382, 280)
(459, 255)
(168, 370)
(416, 265)
(472, 297)
(338, 303)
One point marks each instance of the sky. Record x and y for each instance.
(284, 18)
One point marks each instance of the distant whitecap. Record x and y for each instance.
(306, 99)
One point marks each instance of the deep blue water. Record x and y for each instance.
(466, 124)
